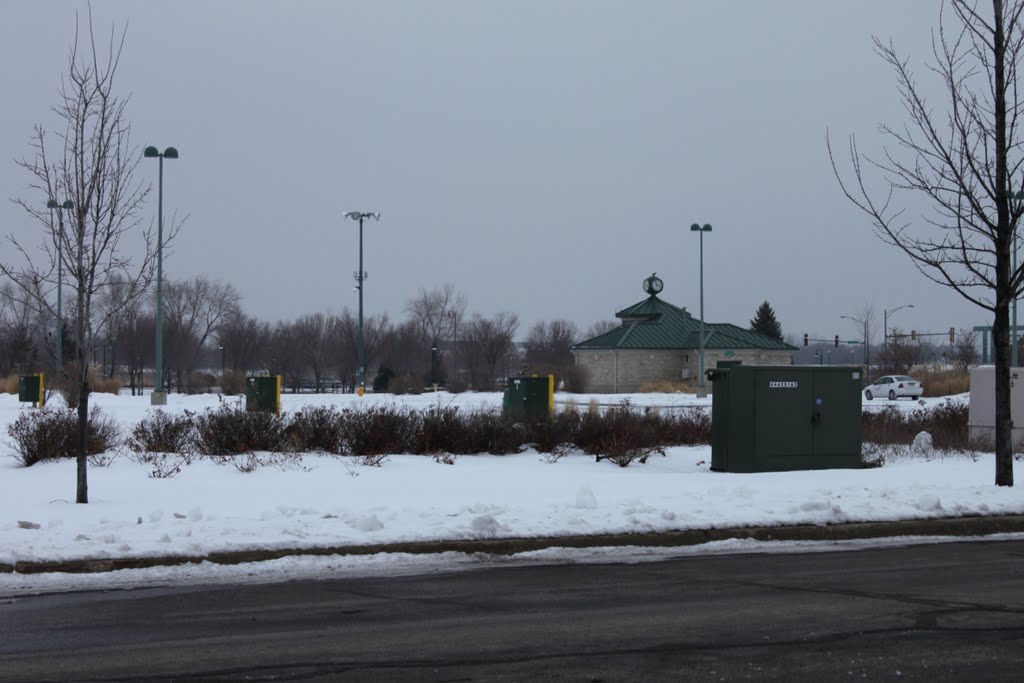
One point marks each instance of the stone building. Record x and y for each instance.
(659, 342)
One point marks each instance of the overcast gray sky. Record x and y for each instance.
(544, 157)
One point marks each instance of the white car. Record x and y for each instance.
(894, 386)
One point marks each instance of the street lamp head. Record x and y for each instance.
(68, 204)
(152, 153)
(700, 228)
(362, 215)
(52, 204)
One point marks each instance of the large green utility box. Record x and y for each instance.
(30, 389)
(771, 418)
(263, 394)
(527, 397)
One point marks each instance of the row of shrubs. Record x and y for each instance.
(622, 435)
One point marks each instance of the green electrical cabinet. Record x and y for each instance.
(527, 397)
(263, 394)
(772, 418)
(30, 389)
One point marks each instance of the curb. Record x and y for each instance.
(954, 526)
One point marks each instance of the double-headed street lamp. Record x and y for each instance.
(885, 323)
(159, 396)
(360, 279)
(701, 229)
(68, 205)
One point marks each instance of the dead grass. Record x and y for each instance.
(9, 384)
(943, 382)
(666, 387)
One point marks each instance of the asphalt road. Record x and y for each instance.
(951, 611)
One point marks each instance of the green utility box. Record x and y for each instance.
(30, 390)
(772, 418)
(263, 394)
(530, 396)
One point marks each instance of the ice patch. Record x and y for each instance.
(367, 523)
(922, 444)
(485, 525)
(585, 499)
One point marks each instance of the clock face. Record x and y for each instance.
(653, 285)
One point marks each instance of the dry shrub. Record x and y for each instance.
(316, 429)
(52, 434)
(380, 430)
(621, 435)
(575, 379)
(457, 386)
(947, 424)
(405, 384)
(691, 427)
(9, 384)
(445, 430)
(105, 385)
(233, 431)
(199, 382)
(232, 382)
(554, 435)
(162, 433)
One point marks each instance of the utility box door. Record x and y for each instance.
(530, 396)
(263, 394)
(30, 389)
(783, 414)
(836, 413)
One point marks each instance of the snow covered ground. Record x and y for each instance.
(330, 501)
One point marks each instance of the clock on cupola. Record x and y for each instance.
(653, 284)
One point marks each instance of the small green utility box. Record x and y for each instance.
(773, 418)
(30, 390)
(263, 394)
(530, 396)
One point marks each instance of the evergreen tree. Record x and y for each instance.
(766, 323)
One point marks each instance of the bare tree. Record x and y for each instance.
(194, 310)
(437, 311)
(600, 327)
(901, 354)
(547, 347)
(94, 167)
(315, 333)
(965, 350)
(490, 340)
(966, 163)
(245, 340)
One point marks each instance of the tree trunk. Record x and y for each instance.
(82, 495)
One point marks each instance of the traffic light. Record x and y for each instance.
(913, 335)
(805, 339)
(837, 341)
(951, 335)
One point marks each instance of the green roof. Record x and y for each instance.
(656, 324)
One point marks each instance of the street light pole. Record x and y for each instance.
(455, 345)
(885, 323)
(223, 356)
(360, 278)
(701, 229)
(67, 205)
(159, 396)
(864, 324)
